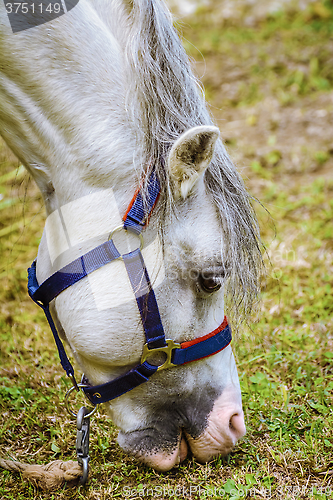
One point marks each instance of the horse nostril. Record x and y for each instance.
(237, 425)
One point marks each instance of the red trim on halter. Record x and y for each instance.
(137, 191)
(132, 203)
(152, 208)
(205, 337)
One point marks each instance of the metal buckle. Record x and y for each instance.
(133, 233)
(168, 350)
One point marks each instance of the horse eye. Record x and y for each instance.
(209, 285)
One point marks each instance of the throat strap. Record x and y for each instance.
(33, 287)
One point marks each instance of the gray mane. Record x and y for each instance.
(168, 101)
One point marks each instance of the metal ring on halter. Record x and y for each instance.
(119, 228)
(68, 393)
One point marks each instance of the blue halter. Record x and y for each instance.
(135, 219)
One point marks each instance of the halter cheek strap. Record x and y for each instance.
(135, 219)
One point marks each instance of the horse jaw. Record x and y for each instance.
(189, 158)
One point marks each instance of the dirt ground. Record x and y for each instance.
(296, 130)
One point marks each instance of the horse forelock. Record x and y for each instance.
(168, 101)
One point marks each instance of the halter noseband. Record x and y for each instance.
(135, 219)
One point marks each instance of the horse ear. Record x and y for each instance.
(189, 157)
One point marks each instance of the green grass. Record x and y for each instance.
(285, 54)
(285, 359)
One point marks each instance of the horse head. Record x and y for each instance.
(198, 406)
(93, 103)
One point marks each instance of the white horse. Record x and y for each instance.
(88, 102)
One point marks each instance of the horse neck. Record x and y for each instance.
(64, 98)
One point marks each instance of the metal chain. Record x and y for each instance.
(82, 442)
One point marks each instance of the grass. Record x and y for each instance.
(285, 360)
(285, 54)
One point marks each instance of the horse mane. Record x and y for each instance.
(167, 102)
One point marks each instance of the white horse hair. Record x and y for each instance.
(89, 102)
(169, 101)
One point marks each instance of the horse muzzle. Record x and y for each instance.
(163, 446)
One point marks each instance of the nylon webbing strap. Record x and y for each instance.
(111, 390)
(145, 298)
(73, 272)
(194, 350)
(32, 287)
(65, 363)
(135, 219)
(62, 279)
(140, 208)
(204, 346)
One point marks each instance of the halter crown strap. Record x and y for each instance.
(135, 219)
(139, 210)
